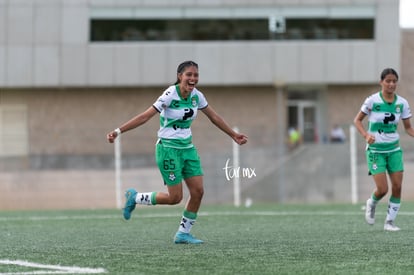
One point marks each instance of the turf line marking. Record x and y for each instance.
(202, 213)
(50, 269)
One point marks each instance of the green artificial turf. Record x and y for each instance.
(262, 239)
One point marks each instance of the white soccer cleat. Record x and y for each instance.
(390, 226)
(370, 212)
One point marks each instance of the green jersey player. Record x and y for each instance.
(384, 110)
(176, 156)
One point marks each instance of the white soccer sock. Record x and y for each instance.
(186, 224)
(392, 211)
(373, 202)
(144, 198)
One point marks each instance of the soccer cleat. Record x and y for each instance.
(185, 238)
(370, 212)
(390, 226)
(130, 203)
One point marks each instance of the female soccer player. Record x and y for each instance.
(176, 156)
(384, 110)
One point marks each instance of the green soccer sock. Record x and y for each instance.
(395, 200)
(153, 198)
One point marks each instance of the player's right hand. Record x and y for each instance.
(370, 139)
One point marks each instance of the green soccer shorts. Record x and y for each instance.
(177, 164)
(382, 162)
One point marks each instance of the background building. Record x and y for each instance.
(72, 70)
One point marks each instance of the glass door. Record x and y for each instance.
(302, 115)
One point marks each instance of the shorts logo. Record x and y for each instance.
(374, 166)
(172, 176)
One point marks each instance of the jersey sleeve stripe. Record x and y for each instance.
(156, 109)
(203, 107)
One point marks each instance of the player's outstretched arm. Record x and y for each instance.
(217, 120)
(408, 128)
(132, 123)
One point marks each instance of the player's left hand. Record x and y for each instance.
(240, 139)
(111, 136)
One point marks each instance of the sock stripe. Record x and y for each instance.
(395, 200)
(374, 198)
(190, 215)
(153, 198)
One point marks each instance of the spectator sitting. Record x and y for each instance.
(337, 134)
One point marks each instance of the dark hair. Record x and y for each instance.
(183, 66)
(388, 71)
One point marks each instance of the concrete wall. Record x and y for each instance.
(73, 122)
(68, 156)
(45, 43)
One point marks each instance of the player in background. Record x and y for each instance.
(176, 156)
(384, 110)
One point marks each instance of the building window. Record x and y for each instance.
(320, 28)
(109, 30)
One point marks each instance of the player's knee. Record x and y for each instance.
(197, 194)
(396, 190)
(200, 193)
(382, 192)
(175, 199)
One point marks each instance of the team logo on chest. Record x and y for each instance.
(398, 109)
(194, 101)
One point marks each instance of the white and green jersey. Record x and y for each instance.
(383, 118)
(176, 116)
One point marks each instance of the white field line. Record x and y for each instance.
(50, 269)
(205, 213)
